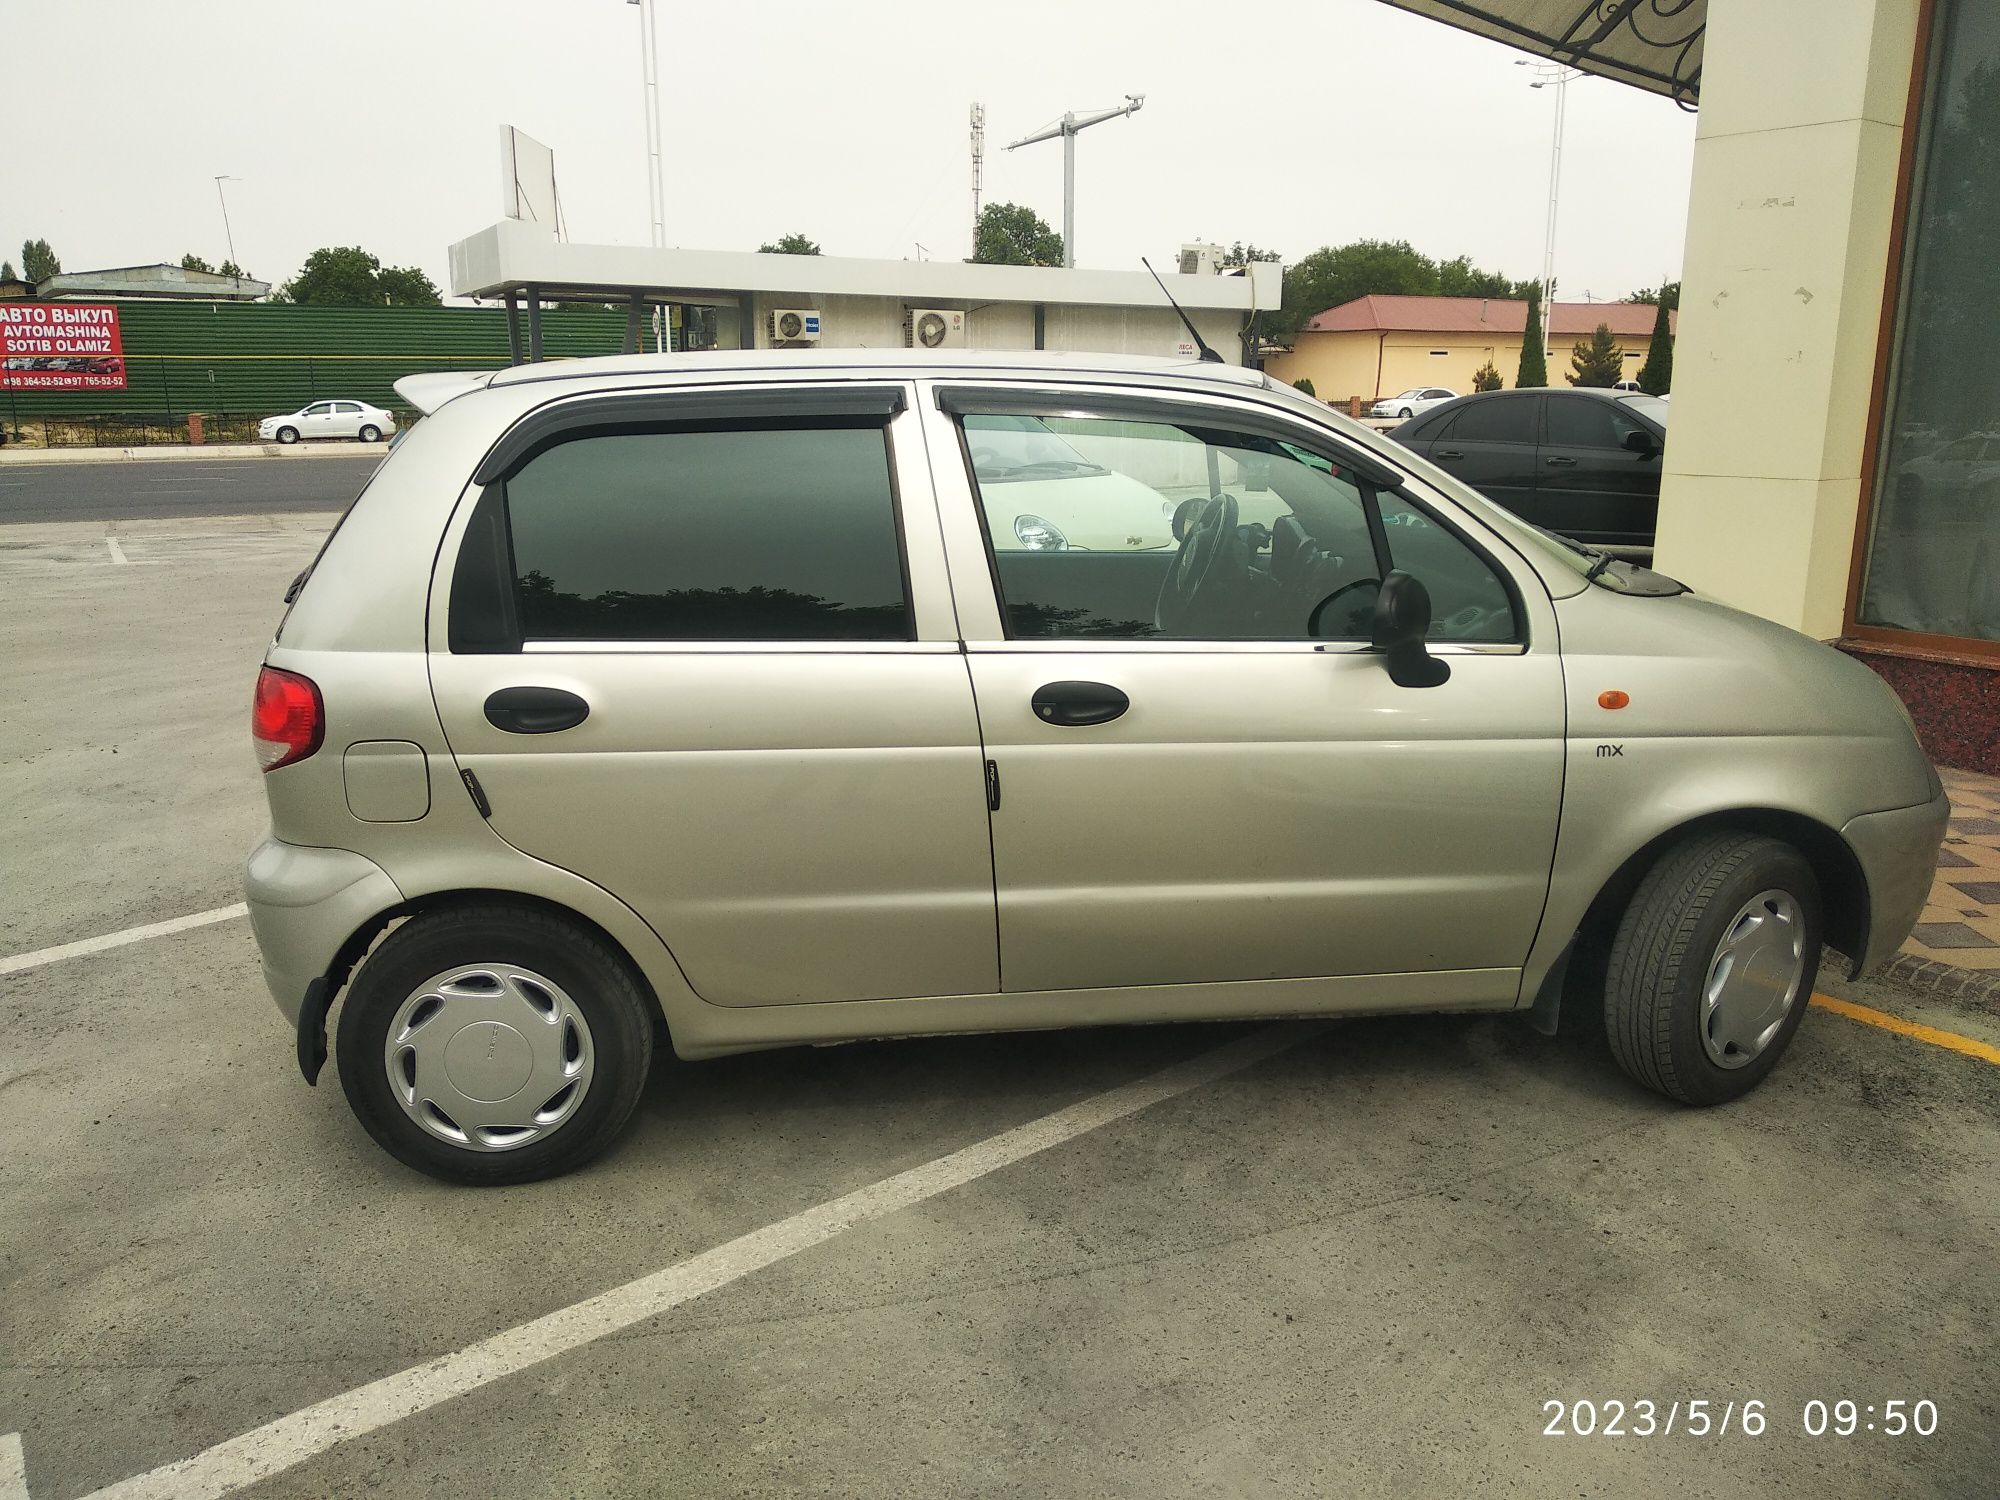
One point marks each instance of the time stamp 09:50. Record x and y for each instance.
(1704, 1417)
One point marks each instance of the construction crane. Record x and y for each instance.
(1067, 127)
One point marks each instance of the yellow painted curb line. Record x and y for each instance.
(1949, 1040)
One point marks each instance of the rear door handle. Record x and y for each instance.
(535, 710)
(1447, 453)
(1560, 463)
(1070, 704)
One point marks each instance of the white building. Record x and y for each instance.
(848, 303)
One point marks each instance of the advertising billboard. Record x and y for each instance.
(60, 346)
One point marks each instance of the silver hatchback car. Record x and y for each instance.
(749, 700)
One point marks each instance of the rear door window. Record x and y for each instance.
(1511, 420)
(780, 533)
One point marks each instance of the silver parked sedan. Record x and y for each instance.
(724, 698)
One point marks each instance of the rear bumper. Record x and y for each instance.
(305, 903)
(1898, 853)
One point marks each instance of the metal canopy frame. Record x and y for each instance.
(1655, 45)
(531, 297)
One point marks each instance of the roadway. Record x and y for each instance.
(162, 489)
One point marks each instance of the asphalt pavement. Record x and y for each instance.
(180, 487)
(1365, 1265)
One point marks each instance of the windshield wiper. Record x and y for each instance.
(1596, 569)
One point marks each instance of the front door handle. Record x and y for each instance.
(1075, 703)
(1447, 453)
(535, 710)
(1560, 462)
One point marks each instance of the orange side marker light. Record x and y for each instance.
(1613, 698)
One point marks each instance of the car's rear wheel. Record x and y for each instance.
(371, 434)
(494, 1044)
(1713, 966)
(288, 434)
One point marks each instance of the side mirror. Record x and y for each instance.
(1641, 442)
(1402, 618)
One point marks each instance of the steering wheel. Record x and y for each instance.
(984, 458)
(1212, 554)
(1463, 624)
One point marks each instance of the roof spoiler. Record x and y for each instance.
(428, 392)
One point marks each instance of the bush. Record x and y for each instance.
(1487, 378)
(1304, 383)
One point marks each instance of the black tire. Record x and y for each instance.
(1660, 960)
(288, 434)
(1406, 413)
(598, 979)
(371, 434)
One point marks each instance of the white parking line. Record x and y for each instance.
(13, 1468)
(291, 1440)
(81, 946)
(117, 552)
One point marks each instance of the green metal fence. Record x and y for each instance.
(235, 362)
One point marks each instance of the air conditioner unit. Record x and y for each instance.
(934, 328)
(795, 325)
(1202, 260)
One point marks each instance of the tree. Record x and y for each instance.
(790, 244)
(7, 271)
(1240, 254)
(1012, 234)
(406, 286)
(230, 268)
(338, 276)
(38, 261)
(1304, 385)
(1666, 294)
(1486, 377)
(191, 262)
(1534, 369)
(1656, 375)
(348, 276)
(1459, 277)
(1597, 362)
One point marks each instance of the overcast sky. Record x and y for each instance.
(1290, 123)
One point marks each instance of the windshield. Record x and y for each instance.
(1647, 406)
(1010, 447)
(1406, 395)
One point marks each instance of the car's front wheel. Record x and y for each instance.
(1406, 413)
(1713, 966)
(494, 1044)
(371, 434)
(288, 434)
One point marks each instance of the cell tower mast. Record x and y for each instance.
(978, 167)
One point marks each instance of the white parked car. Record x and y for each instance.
(329, 419)
(1414, 402)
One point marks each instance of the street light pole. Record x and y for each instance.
(1559, 76)
(649, 60)
(228, 236)
(1067, 127)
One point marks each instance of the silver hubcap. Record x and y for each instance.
(488, 1057)
(1754, 979)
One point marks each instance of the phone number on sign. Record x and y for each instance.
(1702, 1416)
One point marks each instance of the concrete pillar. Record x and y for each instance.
(1796, 156)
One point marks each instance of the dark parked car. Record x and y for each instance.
(1585, 463)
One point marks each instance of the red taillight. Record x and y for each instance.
(286, 719)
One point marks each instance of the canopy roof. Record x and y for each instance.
(1651, 44)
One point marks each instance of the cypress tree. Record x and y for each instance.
(1656, 375)
(1534, 359)
(1597, 361)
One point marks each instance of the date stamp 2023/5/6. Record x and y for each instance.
(1704, 1416)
